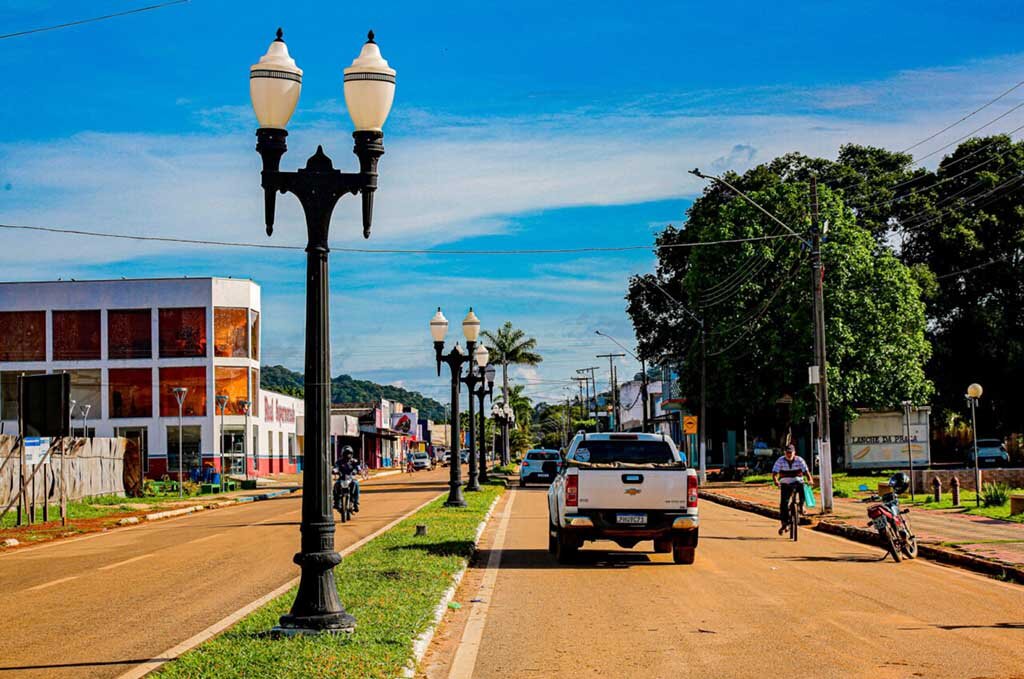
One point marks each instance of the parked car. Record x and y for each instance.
(540, 466)
(421, 460)
(627, 488)
(445, 456)
(464, 455)
(990, 451)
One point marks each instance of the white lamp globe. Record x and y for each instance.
(438, 326)
(481, 355)
(274, 86)
(471, 326)
(369, 88)
(975, 390)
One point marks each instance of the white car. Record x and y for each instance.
(539, 466)
(626, 488)
(421, 460)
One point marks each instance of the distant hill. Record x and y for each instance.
(345, 389)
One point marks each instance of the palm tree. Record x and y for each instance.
(510, 346)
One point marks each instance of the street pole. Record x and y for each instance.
(222, 401)
(84, 408)
(643, 377)
(907, 406)
(245, 439)
(974, 392)
(274, 84)
(483, 392)
(818, 282)
(611, 384)
(702, 423)
(179, 396)
(471, 380)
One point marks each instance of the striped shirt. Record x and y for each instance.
(790, 471)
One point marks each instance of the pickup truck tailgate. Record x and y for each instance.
(652, 489)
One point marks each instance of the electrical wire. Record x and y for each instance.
(92, 20)
(975, 267)
(972, 113)
(385, 251)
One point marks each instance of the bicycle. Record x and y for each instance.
(795, 510)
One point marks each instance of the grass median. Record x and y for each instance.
(391, 585)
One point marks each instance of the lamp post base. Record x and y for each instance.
(473, 485)
(455, 498)
(340, 623)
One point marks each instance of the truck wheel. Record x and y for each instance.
(565, 548)
(662, 546)
(683, 554)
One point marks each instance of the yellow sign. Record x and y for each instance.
(690, 424)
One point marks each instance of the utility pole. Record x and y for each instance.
(579, 383)
(611, 376)
(818, 285)
(590, 380)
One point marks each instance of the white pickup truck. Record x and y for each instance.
(626, 488)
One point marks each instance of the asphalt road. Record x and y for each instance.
(753, 605)
(98, 605)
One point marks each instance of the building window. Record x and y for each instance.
(129, 333)
(183, 333)
(85, 391)
(255, 446)
(76, 335)
(22, 336)
(235, 383)
(270, 443)
(254, 335)
(291, 448)
(9, 396)
(230, 332)
(192, 378)
(191, 444)
(280, 443)
(138, 436)
(254, 392)
(130, 392)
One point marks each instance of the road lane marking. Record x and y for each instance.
(208, 537)
(469, 647)
(51, 583)
(213, 630)
(126, 561)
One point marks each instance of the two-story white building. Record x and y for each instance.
(128, 344)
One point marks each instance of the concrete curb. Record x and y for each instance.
(869, 537)
(422, 642)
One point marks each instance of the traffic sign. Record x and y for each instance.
(690, 424)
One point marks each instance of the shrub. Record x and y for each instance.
(995, 494)
(840, 492)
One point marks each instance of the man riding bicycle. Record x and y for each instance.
(788, 474)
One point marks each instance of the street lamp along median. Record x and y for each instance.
(974, 392)
(455, 359)
(474, 376)
(274, 85)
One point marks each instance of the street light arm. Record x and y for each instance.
(698, 173)
(619, 344)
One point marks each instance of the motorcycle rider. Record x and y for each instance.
(788, 474)
(349, 466)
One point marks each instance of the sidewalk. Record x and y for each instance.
(944, 530)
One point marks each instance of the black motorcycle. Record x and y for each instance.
(344, 495)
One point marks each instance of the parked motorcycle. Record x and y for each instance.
(892, 523)
(344, 486)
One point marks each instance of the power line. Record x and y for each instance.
(383, 251)
(975, 267)
(972, 113)
(92, 20)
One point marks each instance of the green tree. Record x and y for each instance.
(970, 242)
(510, 346)
(755, 299)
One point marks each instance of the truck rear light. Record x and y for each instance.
(572, 490)
(691, 491)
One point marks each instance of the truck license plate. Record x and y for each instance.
(632, 519)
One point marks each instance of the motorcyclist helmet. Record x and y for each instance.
(899, 482)
(347, 451)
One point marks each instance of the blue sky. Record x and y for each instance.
(515, 125)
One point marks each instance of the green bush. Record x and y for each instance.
(995, 494)
(840, 492)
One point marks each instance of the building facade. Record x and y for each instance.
(128, 344)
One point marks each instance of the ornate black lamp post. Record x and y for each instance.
(274, 85)
(455, 359)
(474, 376)
(485, 389)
